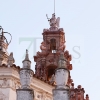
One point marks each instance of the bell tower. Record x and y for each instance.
(52, 46)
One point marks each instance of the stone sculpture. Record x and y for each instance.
(10, 59)
(53, 21)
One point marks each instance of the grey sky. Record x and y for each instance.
(81, 22)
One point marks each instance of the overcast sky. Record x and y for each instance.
(26, 19)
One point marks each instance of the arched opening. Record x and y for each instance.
(51, 71)
(53, 44)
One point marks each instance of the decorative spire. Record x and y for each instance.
(62, 61)
(61, 57)
(3, 47)
(61, 78)
(26, 61)
(26, 57)
(26, 75)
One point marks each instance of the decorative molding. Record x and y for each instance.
(15, 84)
(41, 95)
(9, 83)
(38, 95)
(4, 82)
(48, 98)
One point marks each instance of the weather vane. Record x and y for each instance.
(54, 22)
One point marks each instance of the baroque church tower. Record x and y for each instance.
(44, 81)
(52, 46)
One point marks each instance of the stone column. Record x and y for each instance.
(61, 92)
(25, 93)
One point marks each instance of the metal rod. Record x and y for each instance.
(54, 6)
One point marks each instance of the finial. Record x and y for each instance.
(61, 57)
(26, 62)
(87, 97)
(26, 57)
(26, 51)
(11, 59)
(62, 61)
(79, 86)
(72, 85)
